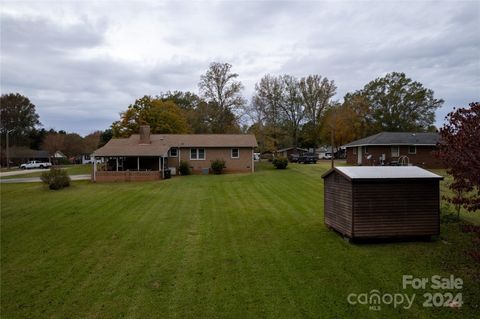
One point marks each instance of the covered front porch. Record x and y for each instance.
(129, 168)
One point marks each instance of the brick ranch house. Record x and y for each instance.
(146, 156)
(395, 148)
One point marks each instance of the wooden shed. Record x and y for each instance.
(382, 202)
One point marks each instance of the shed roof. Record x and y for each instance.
(161, 143)
(397, 138)
(383, 172)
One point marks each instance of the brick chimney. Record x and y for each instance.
(144, 134)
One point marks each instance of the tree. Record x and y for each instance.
(36, 138)
(266, 106)
(459, 148)
(292, 106)
(219, 87)
(164, 117)
(185, 100)
(53, 142)
(316, 94)
(73, 145)
(91, 142)
(354, 118)
(17, 115)
(398, 104)
(105, 137)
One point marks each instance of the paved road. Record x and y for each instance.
(37, 179)
(23, 171)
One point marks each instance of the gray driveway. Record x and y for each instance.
(23, 171)
(37, 179)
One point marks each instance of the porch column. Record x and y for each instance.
(163, 164)
(253, 162)
(116, 158)
(138, 163)
(94, 169)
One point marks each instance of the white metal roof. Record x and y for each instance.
(386, 172)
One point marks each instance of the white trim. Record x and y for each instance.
(238, 152)
(253, 162)
(179, 153)
(198, 154)
(398, 150)
(170, 152)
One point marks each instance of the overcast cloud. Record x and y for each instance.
(82, 63)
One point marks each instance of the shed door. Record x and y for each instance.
(359, 155)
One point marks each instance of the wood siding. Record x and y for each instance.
(396, 208)
(338, 203)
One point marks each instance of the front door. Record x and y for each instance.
(359, 155)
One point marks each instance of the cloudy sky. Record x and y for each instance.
(81, 63)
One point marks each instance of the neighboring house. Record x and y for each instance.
(59, 155)
(286, 152)
(59, 158)
(395, 148)
(86, 159)
(21, 154)
(145, 157)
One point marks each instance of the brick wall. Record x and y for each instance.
(424, 157)
(243, 164)
(127, 176)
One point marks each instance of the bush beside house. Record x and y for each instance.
(280, 162)
(56, 178)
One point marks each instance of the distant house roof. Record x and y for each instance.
(59, 154)
(25, 152)
(161, 143)
(383, 172)
(397, 138)
(291, 148)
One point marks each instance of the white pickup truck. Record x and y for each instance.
(35, 164)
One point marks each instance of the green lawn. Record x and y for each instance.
(229, 246)
(79, 169)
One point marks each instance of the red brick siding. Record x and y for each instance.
(127, 176)
(243, 164)
(424, 157)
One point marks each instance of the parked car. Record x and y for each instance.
(307, 159)
(36, 164)
(327, 156)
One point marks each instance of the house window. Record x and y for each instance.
(354, 150)
(235, 153)
(365, 149)
(412, 149)
(395, 151)
(173, 152)
(197, 153)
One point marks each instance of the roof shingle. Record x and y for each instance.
(397, 138)
(161, 143)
